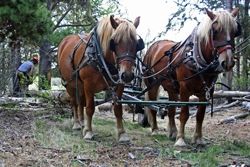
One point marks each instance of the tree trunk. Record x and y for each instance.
(245, 23)
(15, 49)
(227, 77)
(45, 66)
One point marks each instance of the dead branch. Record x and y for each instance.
(219, 108)
(234, 118)
(245, 98)
(55, 149)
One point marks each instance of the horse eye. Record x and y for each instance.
(215, 22)
(215, 32)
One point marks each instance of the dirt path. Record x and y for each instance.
(18, 146)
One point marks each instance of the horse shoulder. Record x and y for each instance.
(158, 49)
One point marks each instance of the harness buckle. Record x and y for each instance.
(208, 96)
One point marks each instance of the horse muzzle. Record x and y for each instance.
(227, 66)
(127, 77)
(226, 60)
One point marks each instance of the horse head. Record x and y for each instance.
(124, 46)
(222, 28)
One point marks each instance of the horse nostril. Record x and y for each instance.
(223, 64)
(233, 63)
(132, 76)
(127, 77)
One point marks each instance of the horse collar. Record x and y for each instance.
(198, 56)
(195, 58)
(94, 53)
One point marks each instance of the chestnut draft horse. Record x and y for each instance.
(101, 60)
(190, 68)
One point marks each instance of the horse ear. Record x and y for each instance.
(210, 14)
(137, 22)
(235, 12)
(113, 22)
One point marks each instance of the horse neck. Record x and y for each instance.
(109, 57)
(207, 50)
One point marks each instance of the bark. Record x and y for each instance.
(228, 76)
(45, 66)
(245, 53)
(15, 60)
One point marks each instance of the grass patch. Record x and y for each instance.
(60, 135)
(213, 155)
(61, 138)
(57, 133)
(205, 158)
(9, 105)
(57, 118)
(237, 147)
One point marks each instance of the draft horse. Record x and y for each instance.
(101, 60)
(190, 68)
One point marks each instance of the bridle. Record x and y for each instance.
(221, 46)
(127, 55)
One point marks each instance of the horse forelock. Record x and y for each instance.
(104, 31)
(225, 21)
(125, 32)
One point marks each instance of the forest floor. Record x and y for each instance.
(40, 134)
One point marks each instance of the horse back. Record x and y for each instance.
(155, 55)
(70, 53)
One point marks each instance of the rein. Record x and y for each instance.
(167, 53)
(100, 57)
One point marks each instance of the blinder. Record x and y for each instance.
(112, 45)
(221, 46)
(139, 46)
(239, 30)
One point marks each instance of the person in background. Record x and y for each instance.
(24, 76)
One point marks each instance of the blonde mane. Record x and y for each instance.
(225, 21)
(125, 32)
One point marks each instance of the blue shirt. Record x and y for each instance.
(26, 67)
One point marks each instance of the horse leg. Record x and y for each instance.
(184, 115)
(80, 111)
(171, 116)
(90, 108)
(197, 137)
(122, 135)
(151, 114)
(76, 123)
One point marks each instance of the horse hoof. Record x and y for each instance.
(76, 126)
(155, 132)
(172, 135)
(180, 143)
(199, 142)
(82, 123)
(124, 138)
(172, 132)
(89, 135)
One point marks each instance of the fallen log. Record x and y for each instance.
(217, 109)
(38, 97)
(224, 94)
(108, 107)
(234, 118)
(236, 95)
